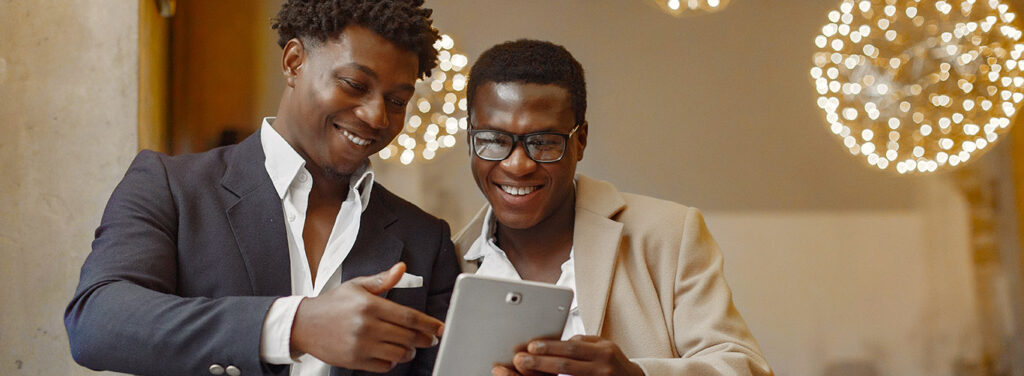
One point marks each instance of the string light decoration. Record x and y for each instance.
(681, 8)
(919, 85)
(438, 109)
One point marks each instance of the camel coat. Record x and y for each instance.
(649, 277)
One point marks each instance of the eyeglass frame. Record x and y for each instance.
(521, 140)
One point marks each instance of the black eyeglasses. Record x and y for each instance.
(541, 147)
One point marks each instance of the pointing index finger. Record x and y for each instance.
(409, 318)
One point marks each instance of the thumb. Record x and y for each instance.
(382, 282)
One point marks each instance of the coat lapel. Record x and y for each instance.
(596, 240)
(257, 220)
(375, 249)
(465, 239)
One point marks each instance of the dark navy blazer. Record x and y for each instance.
(192, 251)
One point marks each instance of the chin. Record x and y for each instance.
(343, 169)
(516, 221)
(336, 173)
(346, 164)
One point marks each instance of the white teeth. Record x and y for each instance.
(517, 191)
(356, 140)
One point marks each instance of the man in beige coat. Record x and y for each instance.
(651, 298)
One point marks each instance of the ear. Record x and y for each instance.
(469, 139)
(581, 138)
(292, 58)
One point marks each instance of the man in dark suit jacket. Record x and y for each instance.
(193, 251)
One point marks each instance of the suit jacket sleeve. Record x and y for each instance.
(126, 315)
(709, 334)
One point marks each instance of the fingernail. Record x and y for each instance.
(537, 347)
(525, 360)
(433, 341)
(495, 371)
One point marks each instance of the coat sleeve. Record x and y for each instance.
(126, 315)
(709, 335)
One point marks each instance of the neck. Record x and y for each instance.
(546, 244)
(328, 185)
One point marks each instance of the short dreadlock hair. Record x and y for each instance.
(403, 22)
(532, 62)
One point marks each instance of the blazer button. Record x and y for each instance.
(234, 371)
(216, 369)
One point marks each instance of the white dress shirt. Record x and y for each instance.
(293, 183)
(494, 263)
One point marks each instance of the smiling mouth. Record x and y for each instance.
(352, 137)
(518, 191)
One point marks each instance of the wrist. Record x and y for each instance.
(297, 342)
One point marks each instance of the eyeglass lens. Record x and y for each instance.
(539, 147)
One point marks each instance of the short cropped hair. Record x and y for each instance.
(533, 62)
(403, 22)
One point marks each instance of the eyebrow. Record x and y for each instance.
(486, 127)
(373, 74)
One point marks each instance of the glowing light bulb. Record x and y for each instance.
(685, 8)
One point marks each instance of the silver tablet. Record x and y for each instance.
(489, 317)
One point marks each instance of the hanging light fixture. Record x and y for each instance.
(915, 86)
(682, 8)
(438, 109)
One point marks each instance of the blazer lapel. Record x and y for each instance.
(596, 240)
(375, 249)
(257, 220)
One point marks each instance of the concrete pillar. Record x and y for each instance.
(68, 129)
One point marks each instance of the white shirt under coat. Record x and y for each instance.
(494, 263)
(293, 183)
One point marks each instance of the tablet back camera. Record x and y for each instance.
(513, 298)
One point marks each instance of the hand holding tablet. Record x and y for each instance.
(489, 318)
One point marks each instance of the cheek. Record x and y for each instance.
(396, 121)
(479, 170)
(320, 94)
(563, 173)
(391, 132)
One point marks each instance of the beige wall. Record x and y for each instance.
(718, 106)
(890, 289)
(68, 115)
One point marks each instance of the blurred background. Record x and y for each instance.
(839, 268)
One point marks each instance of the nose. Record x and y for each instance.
(373, 113)
(518, 163)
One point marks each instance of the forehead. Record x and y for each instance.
(359, 46)
(516, 106)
